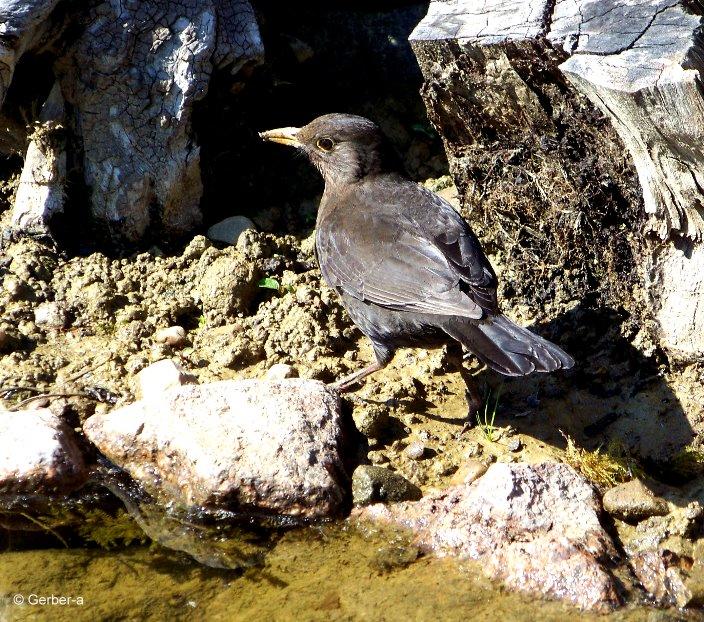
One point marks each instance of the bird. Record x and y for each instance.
(408, 268)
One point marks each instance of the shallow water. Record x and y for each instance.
(327, 573)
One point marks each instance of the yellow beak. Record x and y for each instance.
(283, 135)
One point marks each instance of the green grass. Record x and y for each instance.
(487, 415)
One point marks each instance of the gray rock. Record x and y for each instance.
(39, 453)
(533, 526)
(50, 314)
(252, 445)
(633, 502)
(229, 230)
(373, 484)
(415, 451)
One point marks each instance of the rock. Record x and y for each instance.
(514, 444)
(174, 336)
(280, 371)
(39, 453)
(415, 451)
(633, 502)
(371, 420)
(373, 484)
(161, 376)
(669, 578)
(248, 445)
(470, 471)
(533, 526)
(50, 314)
(229, 230)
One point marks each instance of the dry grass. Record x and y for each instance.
(604, 467)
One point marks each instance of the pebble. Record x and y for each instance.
(373, 484)
(633, 502)
(515, 444)
(154, 380)
(470, 471)
(174, 336)
(281, 371)
(415, 451)
(230, 229)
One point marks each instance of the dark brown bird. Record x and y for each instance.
(410, 271)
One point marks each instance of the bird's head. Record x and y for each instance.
(344, 147)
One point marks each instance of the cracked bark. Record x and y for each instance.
(131, 75)
(640, 65)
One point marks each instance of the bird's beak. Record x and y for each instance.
(283, 135)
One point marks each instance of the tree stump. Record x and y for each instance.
(575, 132)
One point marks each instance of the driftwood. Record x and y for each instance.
(131, 74)
(507, 76)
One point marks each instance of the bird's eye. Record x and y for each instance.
(325, 144)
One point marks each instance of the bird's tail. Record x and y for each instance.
(506, 347)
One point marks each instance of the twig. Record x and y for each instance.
(45, 527)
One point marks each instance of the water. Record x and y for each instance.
(335, 572)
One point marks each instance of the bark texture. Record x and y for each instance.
(544, 168)
(131, 73)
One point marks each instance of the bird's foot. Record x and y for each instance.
(346, 384)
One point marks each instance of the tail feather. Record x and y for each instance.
(507, 347)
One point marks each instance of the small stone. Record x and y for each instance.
(174, 336)
(50, 314)
(281, 371)
(229, 230)
(373, 484)
(514, 444)
(161, 376)
(633, 502)
(473, 450)
(38, 454)
(415, 451)
(377, 457)
(371, 420)
(470, 471)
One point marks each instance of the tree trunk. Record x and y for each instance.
(546, 169)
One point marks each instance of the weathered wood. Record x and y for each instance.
(503, 77)
(641, 65)
(40, 194)
(132, 74)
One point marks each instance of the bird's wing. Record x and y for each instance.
(373, 247)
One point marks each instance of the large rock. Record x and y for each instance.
(534, 527)
(39, 454)
(503, 85)
(258, 446)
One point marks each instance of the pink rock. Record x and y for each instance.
(533, 526)
(38, 454)
(271, 446)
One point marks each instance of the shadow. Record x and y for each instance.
(613, 392)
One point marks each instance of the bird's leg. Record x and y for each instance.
(383, 356)
(345, 384)
(471, 392)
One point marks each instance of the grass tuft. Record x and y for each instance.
(604, 467)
